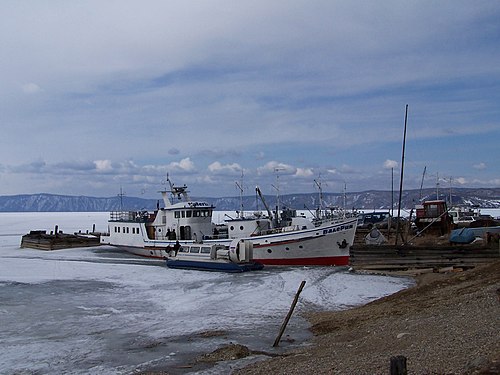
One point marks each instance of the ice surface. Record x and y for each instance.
(98, 310)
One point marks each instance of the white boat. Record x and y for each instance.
(278, 239)
(238, 257)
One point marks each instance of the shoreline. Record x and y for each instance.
(448, 323)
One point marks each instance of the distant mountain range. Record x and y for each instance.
(373, 199)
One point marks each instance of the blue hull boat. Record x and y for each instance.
(213, 265)
(208, 257)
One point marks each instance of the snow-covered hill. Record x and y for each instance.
(485, 198)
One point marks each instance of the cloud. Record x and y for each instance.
(31, 88)
(345, 168)
(103, 165)
(480, 166)
(185, 165)
(274, 167)
(389, 164)
(217, 167)
(304, 172)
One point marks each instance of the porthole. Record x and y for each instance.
(241, 227)
(269, 251)
(287, 248)
(232, 228)
(301, 247)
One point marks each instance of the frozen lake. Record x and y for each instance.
(100, 311)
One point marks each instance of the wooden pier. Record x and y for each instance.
(425, 253)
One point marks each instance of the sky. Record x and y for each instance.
(98, 97)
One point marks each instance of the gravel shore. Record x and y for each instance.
(446, 324)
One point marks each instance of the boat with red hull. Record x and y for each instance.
(280, 238)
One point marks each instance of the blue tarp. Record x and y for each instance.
(464, 235)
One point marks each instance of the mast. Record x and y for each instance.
(240, 187)
(345, 199)
(422, 183)
(121, 195)
(437, 185)
(277, 187)
(176, 191)
(392, 191)
(401, 179)
(320, 203)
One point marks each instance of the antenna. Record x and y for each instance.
(422, 182)
(277, 187)
(345, 198)
(121, 195)
(451, 199)
(240, 187)
(318, 184)
(437, 185)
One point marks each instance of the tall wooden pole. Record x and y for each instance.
(401, 178)
(392, 192)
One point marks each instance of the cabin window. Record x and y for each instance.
(183, 213)
(205, 250)
(194, 249)
(434, 210)
(177, 214)
(183, 249)
(196, 213)
(188, 213)
(164, 220)
(123, 229)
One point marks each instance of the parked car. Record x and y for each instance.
(464, 221)
(370, 219)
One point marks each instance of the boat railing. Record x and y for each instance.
(130, 216)
(278, 230)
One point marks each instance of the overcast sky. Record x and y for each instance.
(101, 95)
